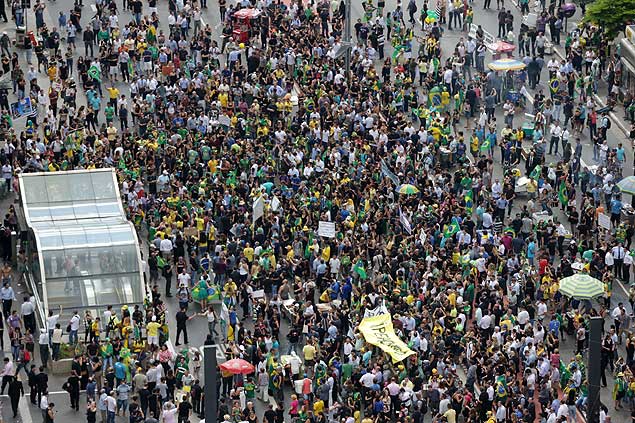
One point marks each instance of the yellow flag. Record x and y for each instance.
(326, 253)
(378, 330)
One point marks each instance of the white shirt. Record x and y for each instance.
(75, 322)
(165, 246)
(618, 252)
(27, 308)
(51, 321)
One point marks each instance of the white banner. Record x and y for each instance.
(326, 229)
(381, 309)
(275, 203)
(258, 209)
(604, 221)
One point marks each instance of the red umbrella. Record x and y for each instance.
(502, 47)
(238, 366)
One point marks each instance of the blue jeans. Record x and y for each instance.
(110, 417)
(72, 337)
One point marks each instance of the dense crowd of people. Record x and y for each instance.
(232, 152)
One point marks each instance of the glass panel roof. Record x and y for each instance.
(88, 249)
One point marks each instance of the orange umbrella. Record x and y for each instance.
(237, 366)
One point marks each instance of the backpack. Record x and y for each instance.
(608, 123)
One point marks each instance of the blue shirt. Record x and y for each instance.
(531, 249)
(120, 370)
(616, 207)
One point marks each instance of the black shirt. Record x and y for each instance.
(181, 318)
(184, 409)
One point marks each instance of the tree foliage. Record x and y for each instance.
(611, 15)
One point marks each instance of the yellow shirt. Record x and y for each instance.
(153, 328)
(200, 224)
(309, 352)
(112, 132)
(318, 407)
(113, 93)
(249, 254)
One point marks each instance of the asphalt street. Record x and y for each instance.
(198, 326)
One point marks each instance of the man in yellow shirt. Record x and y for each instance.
(152, 329)
(111, 131)
(113, 96)
(309, 354)
(248, 252)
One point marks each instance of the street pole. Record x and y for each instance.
(211, 376)
(593, 369)
(347, 39)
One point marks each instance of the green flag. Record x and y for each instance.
(563, 195)
(486, 145)
(359, 269)
(160, 262)
(307, 250)
(452, 228)
(469, 202)
(535, 174)
(95, 73)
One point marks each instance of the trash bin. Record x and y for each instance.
(20, 33)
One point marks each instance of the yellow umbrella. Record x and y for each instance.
(506, 65)
(407, 189)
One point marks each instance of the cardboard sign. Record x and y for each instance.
(326, 229)
(604, 221)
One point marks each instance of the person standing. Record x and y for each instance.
(42, 385)
(33, 384)
(56, 341)
(74, 324)
(72, 387)
(8, 295)
(43, 342)
(16, 390)
(181, 325)
(28, 314)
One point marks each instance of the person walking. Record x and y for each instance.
(50, 413)
(8, 371)
(44, 406)
(16, 391)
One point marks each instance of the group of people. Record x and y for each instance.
(235, 150)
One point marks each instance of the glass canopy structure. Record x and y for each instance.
(87, 251)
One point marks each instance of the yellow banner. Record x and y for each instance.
(378, 330)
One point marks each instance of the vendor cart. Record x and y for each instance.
(246, 22)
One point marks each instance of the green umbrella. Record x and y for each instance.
(627, 185)
(581, 287)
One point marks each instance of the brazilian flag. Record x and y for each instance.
(231, 178)
(469, 202)
(535, 174)
(307, 251)
(486, 145)
(452, 228)
(360, 270)
(563, 195)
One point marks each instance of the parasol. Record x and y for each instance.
(627, 185)
(501, 47)
(506, 65)
(407, 189)
(237, 366)
(581, 286)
